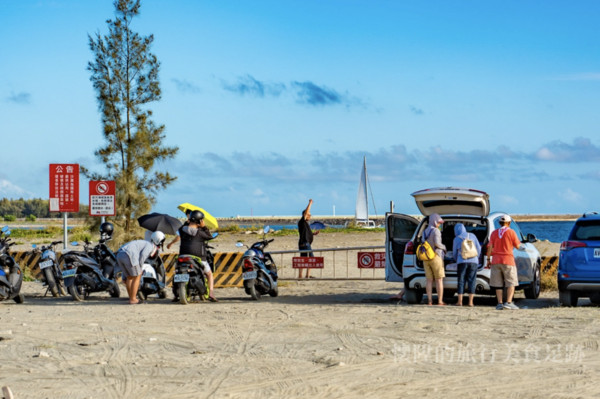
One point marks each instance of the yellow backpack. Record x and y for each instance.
(425, 252)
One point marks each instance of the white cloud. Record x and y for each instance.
(570, 196)
(10, 190)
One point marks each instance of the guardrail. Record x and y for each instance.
(339, 264)
(344, 267)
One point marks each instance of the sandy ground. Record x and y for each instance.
(324, 339)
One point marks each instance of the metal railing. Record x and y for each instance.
(336, 267)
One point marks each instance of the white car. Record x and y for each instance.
(455, 205)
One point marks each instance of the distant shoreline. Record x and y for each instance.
(286, 220)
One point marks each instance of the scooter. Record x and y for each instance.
(11, 276)
(189, 279)
(83, 274)
(51, 272)
(153, 279)
(259, 271)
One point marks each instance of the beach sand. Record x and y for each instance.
(324, 339)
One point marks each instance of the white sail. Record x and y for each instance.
(362, 204)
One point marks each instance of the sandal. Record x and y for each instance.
(212, 299)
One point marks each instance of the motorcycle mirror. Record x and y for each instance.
(74, 243)
(239, 244)
(4, 229)
(267, 229)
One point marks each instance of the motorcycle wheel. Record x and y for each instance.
(274, 292)
(251, 290)
(51, 281)
(184, 299)
(19, 298)
(162, 294)
(115, 292)
(76, 293)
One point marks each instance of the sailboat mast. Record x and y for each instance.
(366, 187)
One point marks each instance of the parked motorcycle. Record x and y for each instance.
(153, 279)
(11, 276)
(258, 269)
(51, 272)
(93, 269)
(189, 279)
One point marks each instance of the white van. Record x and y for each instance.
(455, 205)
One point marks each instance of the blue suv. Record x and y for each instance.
(579, 262)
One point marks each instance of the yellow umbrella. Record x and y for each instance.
(209, 220)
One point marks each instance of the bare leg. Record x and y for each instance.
(134, 285)
(459, 302)
(510, 291)
(499, 295)
(429, 290)
(439, 287)
(211, 285)
(471, 296)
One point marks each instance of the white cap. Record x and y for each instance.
(505, 218)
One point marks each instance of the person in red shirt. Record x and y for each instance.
(503, 268)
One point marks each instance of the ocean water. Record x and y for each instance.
(551, 231)
(546, 230)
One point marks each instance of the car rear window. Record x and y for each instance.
(586, 230)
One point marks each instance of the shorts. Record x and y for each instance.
(503, 276)
(434, 269)
(128, 269)
(305, 247)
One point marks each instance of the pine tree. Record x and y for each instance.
(125, 77)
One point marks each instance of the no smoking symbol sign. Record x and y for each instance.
(102, 188)
(366, 260)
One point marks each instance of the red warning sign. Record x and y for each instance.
(64, 187)
(371, 260)
(308, 262)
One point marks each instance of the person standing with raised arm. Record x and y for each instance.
(306, 236)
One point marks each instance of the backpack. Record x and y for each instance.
(468, 249)
(424, 250)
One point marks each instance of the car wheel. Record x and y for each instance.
(413, 296)
(533, 290)
(595, 298)
(568, 298)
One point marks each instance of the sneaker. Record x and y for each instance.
(499, 306)
(510, 305)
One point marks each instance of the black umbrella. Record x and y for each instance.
(160, 222)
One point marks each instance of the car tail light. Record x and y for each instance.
(568, 245)
(409, 249)
(248, 265)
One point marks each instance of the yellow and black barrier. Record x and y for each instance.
(227, 273)
(228, 267)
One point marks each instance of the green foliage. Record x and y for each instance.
(10, 218)
(80, 234)
(48, 232)
(232, 228)
(124, 74)
(39, 208)
(31, 218)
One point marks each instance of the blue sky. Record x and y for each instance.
(275, 102)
